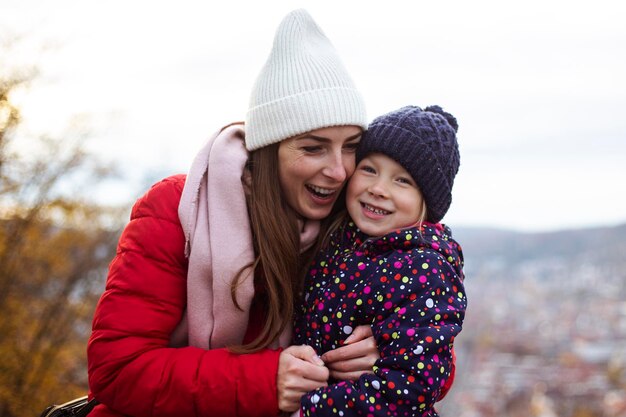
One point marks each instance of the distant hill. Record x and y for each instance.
(492, 245)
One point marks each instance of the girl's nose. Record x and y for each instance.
(378, 189)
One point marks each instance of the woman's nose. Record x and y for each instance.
(335, 168)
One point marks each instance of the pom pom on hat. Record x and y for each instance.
(424, 143)
(303, 86)
(450, 118)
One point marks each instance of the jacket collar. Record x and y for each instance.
(434, 236)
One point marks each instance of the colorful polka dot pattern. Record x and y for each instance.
(408, 285)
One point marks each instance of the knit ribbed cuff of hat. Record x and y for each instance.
(297, 114)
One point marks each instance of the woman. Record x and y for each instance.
(196, 316)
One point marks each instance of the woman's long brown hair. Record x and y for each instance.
(276, 245)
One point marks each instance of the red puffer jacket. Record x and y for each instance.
(132, 371)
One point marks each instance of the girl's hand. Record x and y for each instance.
(300, 370)
(355, 358)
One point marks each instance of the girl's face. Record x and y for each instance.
(314, 167)
(382, 196)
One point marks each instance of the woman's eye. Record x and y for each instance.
(351, 147)
(311, 149)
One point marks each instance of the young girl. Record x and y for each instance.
(391, 265)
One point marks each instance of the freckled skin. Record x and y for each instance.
(321, 160)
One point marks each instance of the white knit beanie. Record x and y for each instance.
(302, 87)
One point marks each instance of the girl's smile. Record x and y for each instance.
(382, 196)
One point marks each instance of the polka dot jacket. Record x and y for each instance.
(408, 285)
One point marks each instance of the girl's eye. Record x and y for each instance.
(403, 180)
(368, 168)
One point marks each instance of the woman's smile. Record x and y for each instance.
(314, 167)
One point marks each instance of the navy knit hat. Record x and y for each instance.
(424, 143)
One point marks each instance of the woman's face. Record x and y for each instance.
(314, 167)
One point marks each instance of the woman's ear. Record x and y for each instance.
(246, 180)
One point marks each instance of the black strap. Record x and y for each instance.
(78, 407)
(86, 409)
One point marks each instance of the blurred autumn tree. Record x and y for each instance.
(55, 247)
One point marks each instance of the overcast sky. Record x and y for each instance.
(538, 88)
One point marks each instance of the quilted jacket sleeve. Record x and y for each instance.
(419, 308)
(131, 368)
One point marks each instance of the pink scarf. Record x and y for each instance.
(218, 243)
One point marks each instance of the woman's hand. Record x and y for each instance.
(355, 358)
(300, 370)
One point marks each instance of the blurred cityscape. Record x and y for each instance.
(545, 330)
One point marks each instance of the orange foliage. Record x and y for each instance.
(54, 251)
